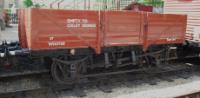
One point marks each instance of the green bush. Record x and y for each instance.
(28, 3)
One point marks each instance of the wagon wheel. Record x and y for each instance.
(60, 73)
(66, 72)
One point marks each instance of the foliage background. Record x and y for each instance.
(28, 3)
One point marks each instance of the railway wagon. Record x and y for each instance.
(191, 9)
(77, 43)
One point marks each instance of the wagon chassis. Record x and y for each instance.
(75, 68)
(67, 72)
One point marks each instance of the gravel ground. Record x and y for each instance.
(10, 34)
(162, 89)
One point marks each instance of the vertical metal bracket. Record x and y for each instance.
(134, 59)
(107, 62)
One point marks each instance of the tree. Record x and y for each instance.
(28, 3)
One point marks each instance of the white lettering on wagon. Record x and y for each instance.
(76, 23)
(52, 42)
(51, 38)
(56, 43)
(169, 39)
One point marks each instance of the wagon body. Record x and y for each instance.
(43, 29)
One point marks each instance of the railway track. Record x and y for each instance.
(40, 82)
